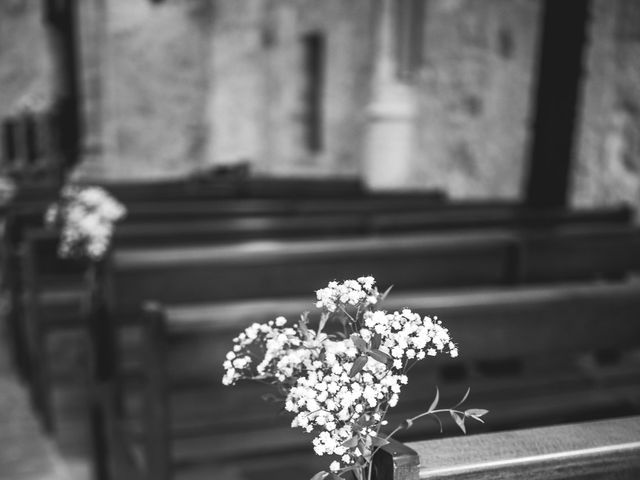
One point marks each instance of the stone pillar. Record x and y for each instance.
(389, 146)
(92, 42)
(236, 75)
(608, 150)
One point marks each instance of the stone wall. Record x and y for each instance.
(153, 87)
(192, 84)
(25, 68)
(475, 96)
(607, 160)
(186, 85)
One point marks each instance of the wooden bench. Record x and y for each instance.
(53, 285)
(603, 449)
(247, 271)
(385, 212)
(436, 260)
(25, 216)
(210, 422)
(178, 400)
(495, 259)
(172, 189)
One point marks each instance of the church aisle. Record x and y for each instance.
(25, 452)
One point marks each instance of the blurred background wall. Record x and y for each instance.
(440, 97)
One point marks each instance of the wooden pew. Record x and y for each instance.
(495, 260)
(43, 269)
(145, 275)
(603, 449)
(435, 260)
(382, 212)
(527, 323)
(53, 287)
(25, 215)
(250, 187)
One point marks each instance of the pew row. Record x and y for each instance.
(54, 285)
(244, 217)
(255, 217)
(183, 415)
(596, 450)
(455, 259)
(399, 212)
(250, 187)
(434, 260)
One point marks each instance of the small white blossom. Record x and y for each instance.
(325, 394)
(85, 216)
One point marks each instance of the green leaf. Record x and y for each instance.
(379, 441)
(437, 419)
(320, 475)
(360, 344)
(302, 325)
(407, 423)
(351, 442)
(358, 365)
(380, 356)
(463, 398)
(362, 447)
(459, 421)
(323, 321)
(386, 292)
(476, 412)
(333, 476)
(376, 340)
(434, 404)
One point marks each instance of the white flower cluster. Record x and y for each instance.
(330, 401)
(85, 216)
(267, 351)
(339, 386)
(407, 336)
(360, 292)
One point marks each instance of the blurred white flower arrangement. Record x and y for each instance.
(85, 217)
(340, 383)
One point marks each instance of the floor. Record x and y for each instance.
(26, 453)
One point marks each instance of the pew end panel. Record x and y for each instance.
(157, 436)
(396, 461)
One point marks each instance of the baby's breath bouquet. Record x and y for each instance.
(339, 378)
(85, 217)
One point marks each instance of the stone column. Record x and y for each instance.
(389, 146)
(92, 42)
(235, 102)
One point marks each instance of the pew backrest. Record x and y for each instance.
(521, 322)
(602, 449)
(262, 269)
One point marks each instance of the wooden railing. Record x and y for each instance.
(605, 449)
